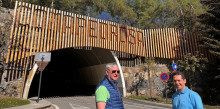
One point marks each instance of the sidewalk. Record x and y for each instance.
(42, 104)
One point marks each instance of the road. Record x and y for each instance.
(88, 102)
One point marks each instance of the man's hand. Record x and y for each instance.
(100, 105)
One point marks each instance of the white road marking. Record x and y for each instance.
(74, 106)
(56, 107)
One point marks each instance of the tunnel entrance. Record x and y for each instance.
(72, 72)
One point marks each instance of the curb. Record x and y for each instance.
(42, 104)
(152, 103)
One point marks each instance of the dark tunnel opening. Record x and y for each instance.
(61, 76)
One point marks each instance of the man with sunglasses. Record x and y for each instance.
(107, 93)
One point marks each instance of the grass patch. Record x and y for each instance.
(163, 100)
(6, 102)
(211, 107)
(157, 99)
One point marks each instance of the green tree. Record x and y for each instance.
(148, 67)
(210, 28)
(193, 66)
(167, 13)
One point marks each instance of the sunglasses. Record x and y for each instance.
(114, 71)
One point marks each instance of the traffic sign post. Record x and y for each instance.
(43, 57)
(165, 77)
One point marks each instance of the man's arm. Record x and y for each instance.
(100, 105)
(101, 96)
(198, 101)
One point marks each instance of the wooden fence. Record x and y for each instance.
(41, 29)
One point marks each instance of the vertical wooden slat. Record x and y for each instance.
(66, 30)
(26, 32)
(11, 34)
(149, 43)
(167, 43)
(173, 43)
(19, 37)
(97, 33)
(14, 36)
(58, 29)
(152, 43)
(146, 43)
(37, 8)
(22, 33)
(63, 30)
(17, 43)
(170, 43)
(190, 43)
(156, 43)
(13, 45)
(40, 28)
(77, 30)
(53, 21)
(143, 45)
(118, 33)
(44, 9)
(46, 29)
(33, 32)
(49, 30)
(186, 43)
(71, 29)
(23, 40)
(84, 31)
(74, 31)
(192, 39)
(160, 43)
(28, 53)
(180, 44)
(55, 30)
(177, 52)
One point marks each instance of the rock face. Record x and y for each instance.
(13, 89)
(5, 26)
(138, 81)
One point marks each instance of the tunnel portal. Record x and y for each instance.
(73, 72)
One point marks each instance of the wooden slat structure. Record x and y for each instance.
(41, 29)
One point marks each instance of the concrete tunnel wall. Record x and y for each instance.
(93, 74)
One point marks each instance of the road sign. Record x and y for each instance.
(45, 55)
(174, 66)
(164, 76)
(41, 57)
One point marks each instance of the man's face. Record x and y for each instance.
(113, 73)
(179, 82)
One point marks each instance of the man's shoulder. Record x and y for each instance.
(193, 93)
(101, 88)
(175, 94)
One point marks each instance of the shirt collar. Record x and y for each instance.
(185, 90)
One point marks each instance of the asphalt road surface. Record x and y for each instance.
(88, 102)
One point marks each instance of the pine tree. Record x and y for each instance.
(210, 28)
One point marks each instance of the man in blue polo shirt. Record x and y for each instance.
(184, 98)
